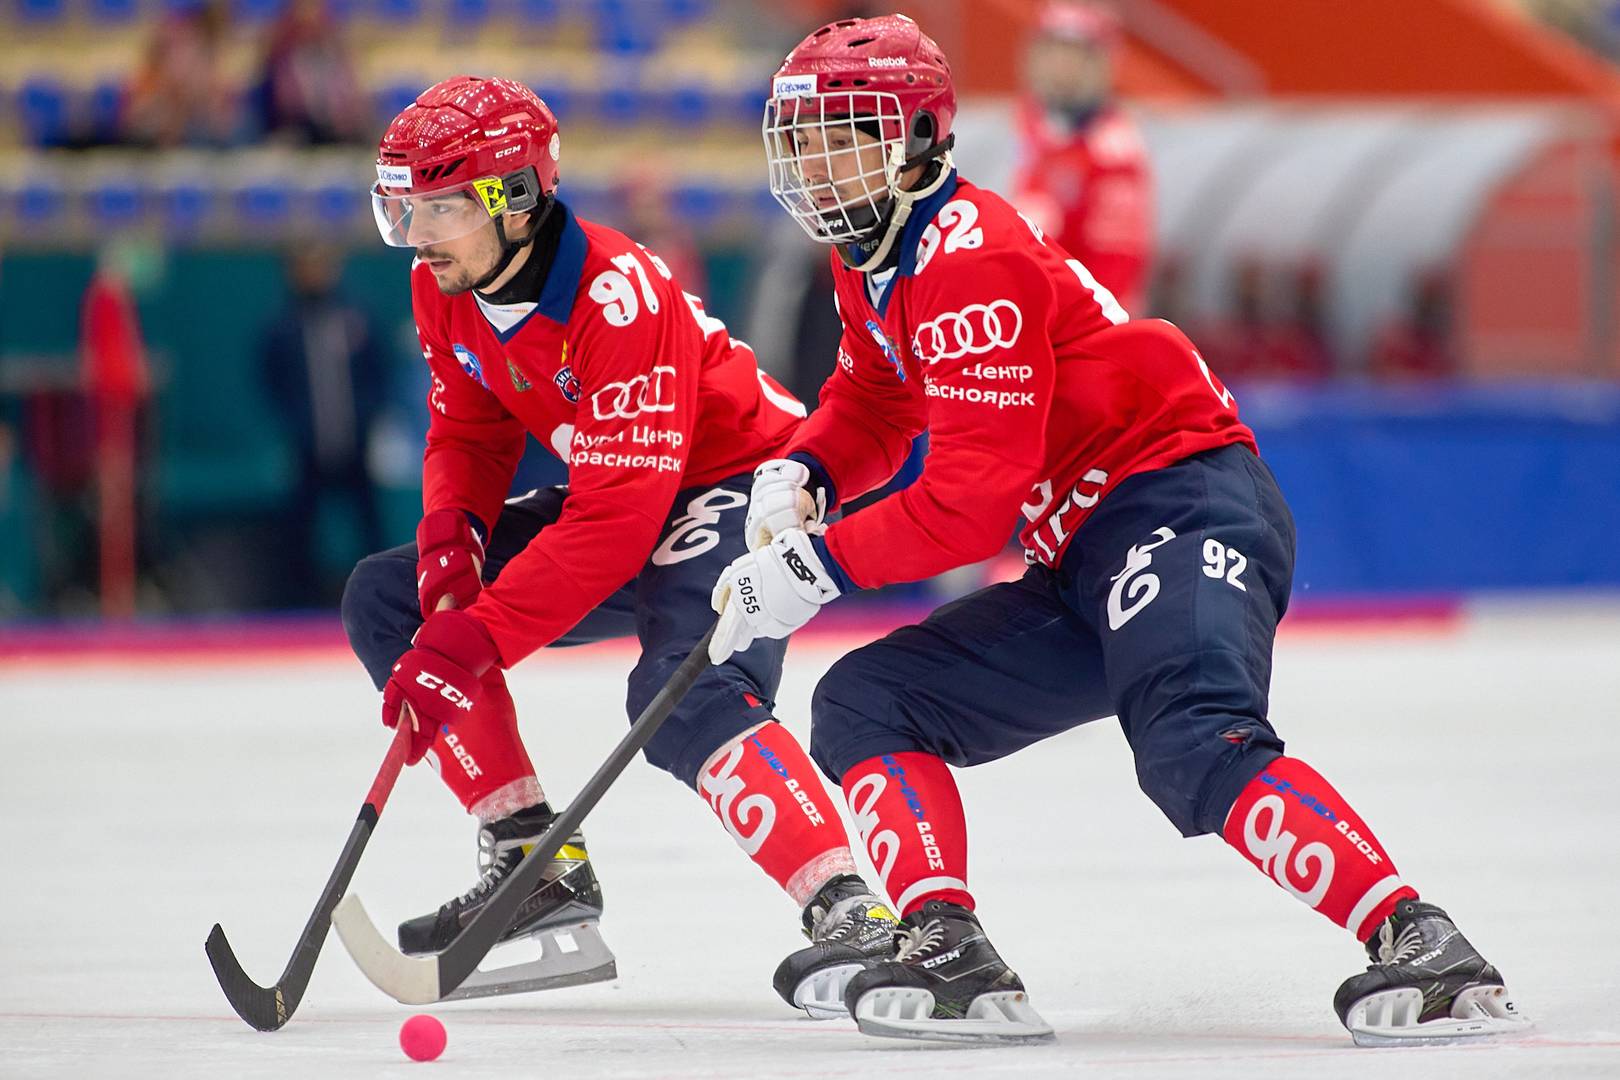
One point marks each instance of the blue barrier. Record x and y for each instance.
(1448, 488)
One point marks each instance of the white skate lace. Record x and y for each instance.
(1393, 950)
(489, 864)
(838, 922)
(919, 939)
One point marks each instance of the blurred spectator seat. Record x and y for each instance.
(539, 12)
(258, 11)
(467, 14)
(627, 27)
(43, 108)
(264, 203)
(394, 98)
(41, 11)
(115, 201)
(184, 204)
(396, 12)
(102, 12)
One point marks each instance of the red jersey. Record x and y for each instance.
(626, 379)
(1092, 191)
(1038, 393)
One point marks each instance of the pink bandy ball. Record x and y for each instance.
(422, 1038)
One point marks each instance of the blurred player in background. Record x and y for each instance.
(537, 322)
(1161, 557)
(1083, 174)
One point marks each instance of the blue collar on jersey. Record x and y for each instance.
(921, 214)
(562, 282)
(562, 278)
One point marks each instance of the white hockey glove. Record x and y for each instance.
(768, 593)
(781, 501)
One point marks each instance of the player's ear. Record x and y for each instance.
(518, 224)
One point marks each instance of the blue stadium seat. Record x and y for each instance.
(113, 11)
(184, 204)
(43, 110)
(588, 199)
(337, 203)
(697, 203)
(115, 201)
(626, 27)
(396, 12)
(743, 104)
(539, 12)
(38, 201)
(622, 101)
(561, 98)
(393, 99)
(468, 14)
(264, 203)
(258, 11)
(763, 205)
(41, 10)
(685, 11)
(106, 111)
(687, 104)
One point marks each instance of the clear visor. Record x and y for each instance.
(834, 159)
(432, 217)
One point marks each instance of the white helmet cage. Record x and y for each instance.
(827, 168)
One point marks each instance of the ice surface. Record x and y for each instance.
(141, 803)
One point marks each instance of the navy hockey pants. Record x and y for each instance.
(1163, 613)
(666, 606)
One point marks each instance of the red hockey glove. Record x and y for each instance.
(435, 684)
(449, 561)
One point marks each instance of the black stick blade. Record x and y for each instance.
(263, 1008)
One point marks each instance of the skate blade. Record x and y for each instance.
(572, 955)
(907, 1013)
(821, 993)
(1390, 1018)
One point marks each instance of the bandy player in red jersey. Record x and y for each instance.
(535, 322)
(1160, 553)
(1083, 174)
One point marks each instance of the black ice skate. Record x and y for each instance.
(1426, 984)
(945, 982)
(560, 916)
(849, 929)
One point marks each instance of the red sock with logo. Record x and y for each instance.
(481, 759)
(1303, 834)
(909, 814)
(771, 800)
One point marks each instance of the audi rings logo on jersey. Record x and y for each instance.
(976, 329)
(650, 393)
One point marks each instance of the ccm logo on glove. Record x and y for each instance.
(446, 691)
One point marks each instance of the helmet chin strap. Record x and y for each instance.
(881, 240)
(510, 248)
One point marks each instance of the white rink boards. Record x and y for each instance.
(143, 802)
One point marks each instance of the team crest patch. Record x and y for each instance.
(470, 364)
(889, 351)
(519, 383)
(567, 383)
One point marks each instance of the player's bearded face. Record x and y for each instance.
(457, 263)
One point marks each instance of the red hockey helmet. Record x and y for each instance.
(465, 151)
(881, 77)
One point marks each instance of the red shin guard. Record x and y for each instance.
(909, 814)
(1292, 825)
(771, 800)
(481, 759)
